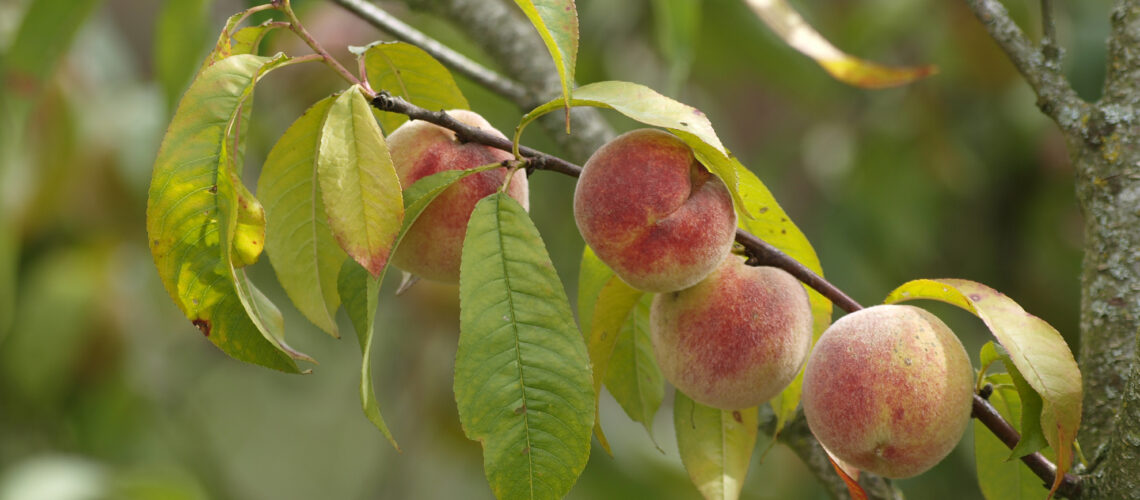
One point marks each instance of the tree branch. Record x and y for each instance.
(489, 79)
(760, 253)
(509, 38)
(1041, 68)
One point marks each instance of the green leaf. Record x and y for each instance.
(249, 232)
(716, 445)
(300, 245)
(612, 307)
(633, 377)
(999, 477)
(44, 36)
(360, 290)
(790, 27)
(645, 105)
(1032, 437)
(773, 225)
(592, 276)
(1035, 348)
(180, 38)
(522, 375)
(191, 215)
(677, 25)
(233, 41)
(358, 182)
(557, 24)
(407, 71)
(9, 258)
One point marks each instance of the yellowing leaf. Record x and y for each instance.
(358, 182)
(249, 235)
(1036, 349)
(789, 26)
(557, 24)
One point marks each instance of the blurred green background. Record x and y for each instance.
(106, 391)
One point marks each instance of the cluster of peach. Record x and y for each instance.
(887, 389)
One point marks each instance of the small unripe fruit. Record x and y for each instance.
(889, 389)
(432, 247)
(651, 212)
(737, 338)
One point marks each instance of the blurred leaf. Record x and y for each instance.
(999, 477)
(300, 245)
(716, 445)
(54, 313)
(358, 182)
(1035, 348)
(789, 26)
(406, 71)
(9, 258)
(633, 377)
(522, 375)
(180, 37)
(185, 213)
(645, 105)
(557, 24)
(772, 224)
(44, 36)
(849, 474)
(613, 305)
(677, 26)
(360, 290)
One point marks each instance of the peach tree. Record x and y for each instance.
(693, 274)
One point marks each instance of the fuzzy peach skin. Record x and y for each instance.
(889, 389)
(432, 247)
(737, 338)
(652, 213)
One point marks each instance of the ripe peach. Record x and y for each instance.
(652, 213)
(889, 389)
(433, 245)
(737, 338)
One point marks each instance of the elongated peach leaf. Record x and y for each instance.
(789, 26)
(300, 244)
(614, 303)
(358, 182)
(407, 71)
(1035, 348)
(522, 374)
(716, 445)
(191, 207)
(633, 377)
(557, 24)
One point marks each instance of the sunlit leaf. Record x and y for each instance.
(360, 290)
(1035, 348)
(557, 24)
(772, 224)
(191, 207)
(592, 276)
(645, 105)
(716, 445)
(633, 377)
(180, 39)
(789, 26)
(406, 71)
(358, 182)
(300, 245)
(999, 477)
(522, 375)
(249, 233)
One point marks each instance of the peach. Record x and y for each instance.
(737, 338)
(889, 389)
(653, 213)
(432, 247)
